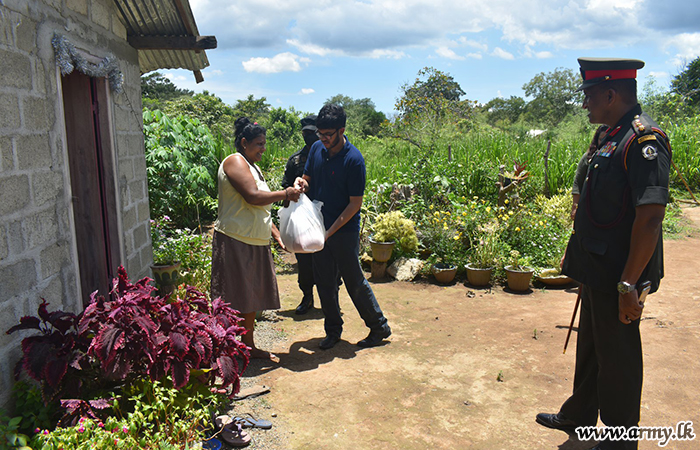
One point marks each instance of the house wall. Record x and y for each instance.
(38, 256)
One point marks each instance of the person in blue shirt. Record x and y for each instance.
(335, 175)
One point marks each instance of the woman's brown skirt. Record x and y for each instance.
(243, 275)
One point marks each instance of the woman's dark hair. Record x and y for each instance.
(248, 130)
(331, 116)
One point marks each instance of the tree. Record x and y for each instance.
(254, 109)
(554, 96)
(504, 111)
(156, 89)
(430, 108)
(363, 118)
(687, 83)
(209, 110)
(284, 128)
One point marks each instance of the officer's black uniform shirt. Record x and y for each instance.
(295, 167)
(630, 169)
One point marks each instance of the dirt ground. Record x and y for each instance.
(466, 368)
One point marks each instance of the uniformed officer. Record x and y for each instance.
(294, 169)
(616, 245)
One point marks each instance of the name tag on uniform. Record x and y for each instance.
(607, 150)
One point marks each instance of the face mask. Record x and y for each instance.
(310, 139)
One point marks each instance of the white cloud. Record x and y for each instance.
(307, 91)
(473, 44)
(175, 77)
(448, 53)
(475, 56)
(498, 52)
(687, 47)
(282, 62)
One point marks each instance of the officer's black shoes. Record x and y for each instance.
(556, 422)
(375, 338)
(306, 304)
(328, 342)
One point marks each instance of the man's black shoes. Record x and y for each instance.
(306, 304)
(556, 422)
(328, 342)
(375, 338)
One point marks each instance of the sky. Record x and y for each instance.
(299, 53)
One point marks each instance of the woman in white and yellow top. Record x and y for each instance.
(243, 272)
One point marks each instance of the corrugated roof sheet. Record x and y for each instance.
(162, 18)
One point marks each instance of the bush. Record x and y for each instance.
(182, 166)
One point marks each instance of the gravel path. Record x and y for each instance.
(276, 438)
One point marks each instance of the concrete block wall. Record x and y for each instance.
(37, 240)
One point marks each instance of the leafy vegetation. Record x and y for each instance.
(148, 365)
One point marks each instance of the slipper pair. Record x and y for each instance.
(249, 421)
(232, 432)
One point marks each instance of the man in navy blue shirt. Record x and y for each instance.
(335, 175)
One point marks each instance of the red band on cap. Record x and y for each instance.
(613, 74)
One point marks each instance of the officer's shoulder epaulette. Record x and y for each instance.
(641, 126)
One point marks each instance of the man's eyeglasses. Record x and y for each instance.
(326, 135)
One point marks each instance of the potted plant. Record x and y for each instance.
(485, 250)
(166, 266)
(553, 276)
(392, 229)
(518, 273)
(447, 253)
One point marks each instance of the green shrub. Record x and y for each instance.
(182, 165)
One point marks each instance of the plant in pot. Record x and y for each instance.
(448, 249)
(485, 253)
(166, 265)
(552, 276)
(389, 230)
(518, 272)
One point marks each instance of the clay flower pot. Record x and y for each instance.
(166, 277)
(478, 276)
(381, 251)
(444, 273)
(519, 280)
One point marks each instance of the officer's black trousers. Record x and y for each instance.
(608, 377)
(305, 276)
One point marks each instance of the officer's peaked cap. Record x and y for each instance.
(309, 123)
(599, 70)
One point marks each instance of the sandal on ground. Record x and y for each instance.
(249, 421)
(234, 436)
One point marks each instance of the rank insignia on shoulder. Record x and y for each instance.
(638, 125)
(648, 137)
(649, 152)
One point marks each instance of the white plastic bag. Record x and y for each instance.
(301, 226)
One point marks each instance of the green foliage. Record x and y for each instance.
(394, 226)
(502, 112)
(430, 109)
(151, 415)
(30, 405)
(10, 435)
(254, 109)
(209, 110)
(362, 117)
(554, 96)
(156, 90)
(284, 128)
(182, 169)
(687, 83)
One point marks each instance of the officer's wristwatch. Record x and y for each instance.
(624, 287)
